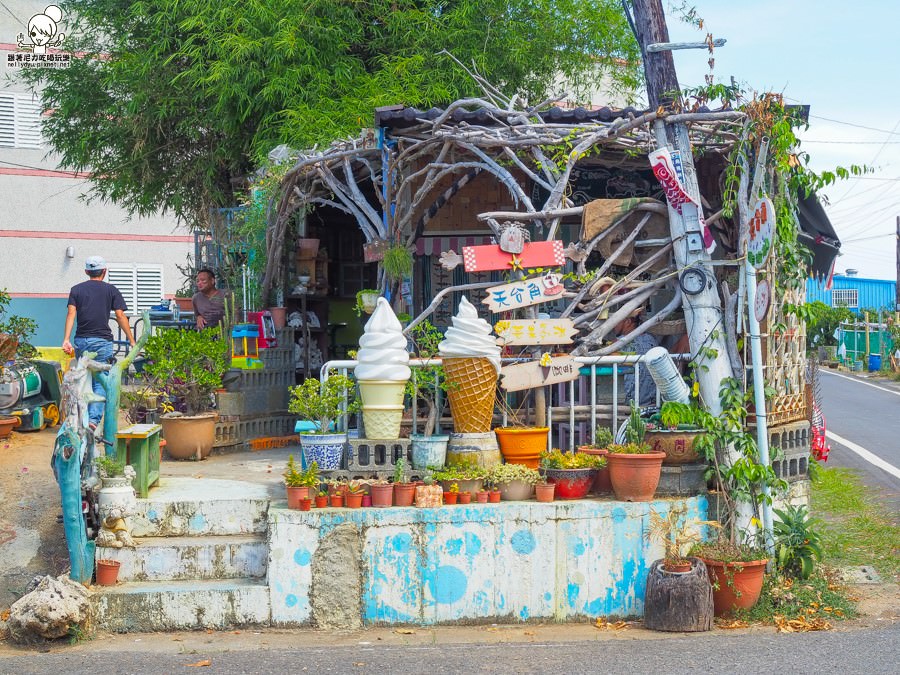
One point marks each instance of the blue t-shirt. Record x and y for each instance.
(93, 301)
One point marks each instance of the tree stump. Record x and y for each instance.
(678, 602)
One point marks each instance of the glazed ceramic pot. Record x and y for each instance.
(515, 491)
(429, 451)
(326, 450)
(571, 483)
(522, 445)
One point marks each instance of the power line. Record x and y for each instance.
(858, 126)
(874, 236)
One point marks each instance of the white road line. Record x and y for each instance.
(868, 384)
(870, 457)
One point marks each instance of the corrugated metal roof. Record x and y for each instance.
(870, 293)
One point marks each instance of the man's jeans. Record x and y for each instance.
(104, 350)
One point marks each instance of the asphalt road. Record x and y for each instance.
(867, 414)
(871, 652)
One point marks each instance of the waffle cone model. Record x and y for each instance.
(472, 392)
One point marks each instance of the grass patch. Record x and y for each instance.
(857, 530)
(819, 598)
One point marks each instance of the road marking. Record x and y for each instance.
(868, 384)
(870, 457)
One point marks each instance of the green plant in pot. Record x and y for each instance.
(322, 404)
(429, 385)
(300, 483)
(404, 491)
(187, 367)
(467, 476)
(634, 468)
(673, 431)
(515, 481)
(572, 472)
(397, 262)
(602, 439)
(366, 300)
(15, 333)
(736, 572)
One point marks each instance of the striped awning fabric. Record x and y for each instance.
(437, 245)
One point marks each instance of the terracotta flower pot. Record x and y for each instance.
(7, 424)
(305, 504)
(107, 572)
(295, 494)
(543, 492)
(337, 500)
(382, 494)
(571, 483)
(482, 497)
(354, 500)
(450, 497)
(404, 494)
(677, 568)
(522, 445)
(494, 496)
(321, 501)
(736, 585)
(465, 497)
(601, 484)
(189, 436)
(634, 477)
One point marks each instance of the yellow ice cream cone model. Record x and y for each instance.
(471, 359)
(382, 373)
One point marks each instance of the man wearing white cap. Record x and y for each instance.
(91, 302)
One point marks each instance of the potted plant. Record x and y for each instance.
(464, 498)
(451, 494)
(322, 403)
(482, 496)
(673, 431)
(603, 438)
(544, 491)
(397, 262)
(514, 482)
(572, 472)
(107, 572)
(467, 477)
(300, 484)
(429, 495)
(634, 468)
(736, 572)
(521, 444)
(15, 333)
(366, 301)
(673, 532)
(321, 499)
(404, 492)
(495, 495)
(336, 500)
(354, 496)
(187, 366)
(382, 493)
(428, 384)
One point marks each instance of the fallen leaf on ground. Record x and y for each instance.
(800, 625)
(200, 664)
(404, 631)
(529, 632)
(359, 663)
(603, 624)
(4, 615)
(177, 639)
(731, 624)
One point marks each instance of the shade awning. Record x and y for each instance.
(818, 235)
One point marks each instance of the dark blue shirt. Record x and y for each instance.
(93, 301)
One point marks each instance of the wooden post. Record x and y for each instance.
(703, 311)
(868, 349)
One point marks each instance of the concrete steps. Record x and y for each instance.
(182, 605)
(181, 558)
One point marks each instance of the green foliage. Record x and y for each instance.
(820, 598)
(308, 477)
(109, 467)
(322, 403)
(359, 307)
(461, 471)
(400, 470)
(726, 551)
(397, 262)
(603, 437)
(674, 414)
(557, 459)
(187, 365)
(505, 473)
(822, 321)
(636, 428)
(20, 327)
(427, 381)
(174, 99)
(798, 545)
(630, 449)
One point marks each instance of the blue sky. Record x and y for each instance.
(842, 59)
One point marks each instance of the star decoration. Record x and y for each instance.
(516, 263)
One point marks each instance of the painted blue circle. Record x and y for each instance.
(619, 514)
(402, 542)
(290, 600)
(523, 542)
(448, 584)
(302, 556)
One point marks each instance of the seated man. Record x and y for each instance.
(208, 301)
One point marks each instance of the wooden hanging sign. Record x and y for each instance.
(524, 293)
(533, 374)
(535, 332)
(373, 251)
(534, 254)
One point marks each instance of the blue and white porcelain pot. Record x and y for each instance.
(326, 450)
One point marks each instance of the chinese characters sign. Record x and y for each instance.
(524, 293)
(534, 254)
(533, 374)
(535, 332)
(762, 228)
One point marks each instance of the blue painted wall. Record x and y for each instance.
(50, 315)
(872, 293)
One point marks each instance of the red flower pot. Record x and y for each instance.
(465, 497)
(354, 500)
(634, 477)
(305, 504)
(367, 501)
(295, 494)
(571, 483)
(107, 572)
(494, 496)
(404, 494)
(321, 502)
(601, 484)
(450, 497)
(382, 495)
(736, 585)
(543, 492)
(337, 500)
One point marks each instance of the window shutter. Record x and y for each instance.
(28, 123)
(7, 121)
(140, 284)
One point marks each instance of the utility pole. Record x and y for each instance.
(897, 287)
(702, 311)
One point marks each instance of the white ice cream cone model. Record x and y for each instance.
(382, 373)
(471, 359)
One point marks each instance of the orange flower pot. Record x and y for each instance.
(522, 445)
(736, 585)
(634, 478)
(544, 492)
(107, 572)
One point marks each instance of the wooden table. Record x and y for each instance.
(138, 445)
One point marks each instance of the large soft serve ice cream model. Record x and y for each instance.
(471, 359)
(382, 373)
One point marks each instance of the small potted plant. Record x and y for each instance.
(634, 468)
(544, 491)
(366, 301)
(482, 496)
(300, 484)
(404, 492)
(572, 472)
(354, 496)
(382, 493)
(464, 498)
(603, 438)
(495, 495)
(187, 366)
(451, 494)
(673, 431)
(428, 384)
(514, 482)
(336, 499)
(468, 477)
(321, 499)
(736, 572)
(676, 536)
(322, 404)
